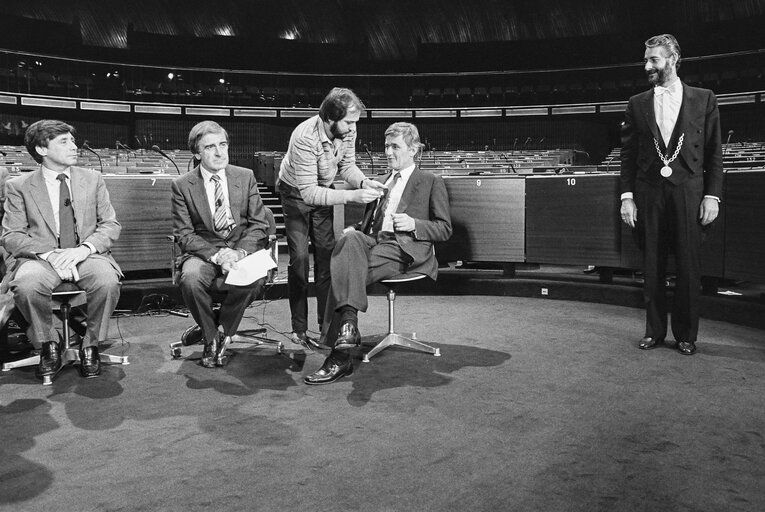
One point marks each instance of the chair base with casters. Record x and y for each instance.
(64, 294)
(392, 338)
(193, 336)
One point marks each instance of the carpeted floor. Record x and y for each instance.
(535, 404)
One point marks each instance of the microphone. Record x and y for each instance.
(100, 163)
(156, 148)
(67, 202)
(218, 203)
(507, 159)
(727, 142)
(528, 139)
(371, 159)
(3, 153)
(515, 143)
(138, 141)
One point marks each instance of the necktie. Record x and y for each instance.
(67, 237)
(662, 94)
(220, 220)
(380, 213)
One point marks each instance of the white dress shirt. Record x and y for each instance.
(666, 105)
(210, 190)
(395, 196)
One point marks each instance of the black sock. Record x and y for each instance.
(348, 314)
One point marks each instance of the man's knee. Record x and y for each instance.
(195, 275)
(33, 277)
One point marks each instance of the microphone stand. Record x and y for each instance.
(371, 159)
(100, 163)
(156, 148)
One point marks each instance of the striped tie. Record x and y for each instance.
(221, 223)
(383, 205)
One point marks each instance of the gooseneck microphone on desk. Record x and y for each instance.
(3, 153)
(88, 148)
(156, 148)
(371, 159)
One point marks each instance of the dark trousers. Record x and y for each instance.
(358, 261)
(668, 222)
(304, 222)
(201, 283)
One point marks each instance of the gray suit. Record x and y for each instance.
(29, 229)
(194, 231)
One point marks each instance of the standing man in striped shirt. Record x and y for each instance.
(321, 148)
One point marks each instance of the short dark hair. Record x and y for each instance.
(200, 130)
(668, 43)
(408, 131)
(338, 103)
(40, 133)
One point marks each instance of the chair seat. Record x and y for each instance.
(404, 278)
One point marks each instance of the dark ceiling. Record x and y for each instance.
(393, 30)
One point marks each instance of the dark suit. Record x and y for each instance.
(29, 229)
(360, 259)
(668, 208)
(194, 232)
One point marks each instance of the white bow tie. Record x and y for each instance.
(659, 90)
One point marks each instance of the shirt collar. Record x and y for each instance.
(406, 172)
(672, 89)
(323, 138)
(52, 175)
(208, 174)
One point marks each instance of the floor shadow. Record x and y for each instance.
(22, 421)
(399, 367)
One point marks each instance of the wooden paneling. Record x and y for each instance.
(573, 219)
(488, 218)
(745, 225)
(142, 205)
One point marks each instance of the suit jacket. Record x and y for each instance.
(193, 224)
(425, 200)
(700, 156)
(29, 227)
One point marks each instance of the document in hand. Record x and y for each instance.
(251, 268)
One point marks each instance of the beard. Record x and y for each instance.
(336, 133)
(659, 76)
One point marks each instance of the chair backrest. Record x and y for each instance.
(272, 246)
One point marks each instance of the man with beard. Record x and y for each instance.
(395, 236)
(321, 148)
(671, 184)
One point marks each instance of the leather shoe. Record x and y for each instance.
(90, 363)
(648, 343)
(687, 348)
(210, 353)
(348, 337)
(330, 371)
(192, 336)
(223, 341)
(50, 359)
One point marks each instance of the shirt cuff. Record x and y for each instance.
(90, 246)
(214, 258)
(627, 195)
(712, 197)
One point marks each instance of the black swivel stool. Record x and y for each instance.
(392, 338)
(65, 294)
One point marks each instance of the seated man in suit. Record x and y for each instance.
(395, 236)
(218, 219)
(59, 225)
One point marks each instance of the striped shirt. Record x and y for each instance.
(312, 162)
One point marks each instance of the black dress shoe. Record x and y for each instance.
(210, 353)
(648, 343)
(687, 348)
(223, 341)
(348, 337)
(50, 359)
(330, 371)
(90, 363)
(192, 336)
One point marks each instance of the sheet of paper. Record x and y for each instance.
(251, 268)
